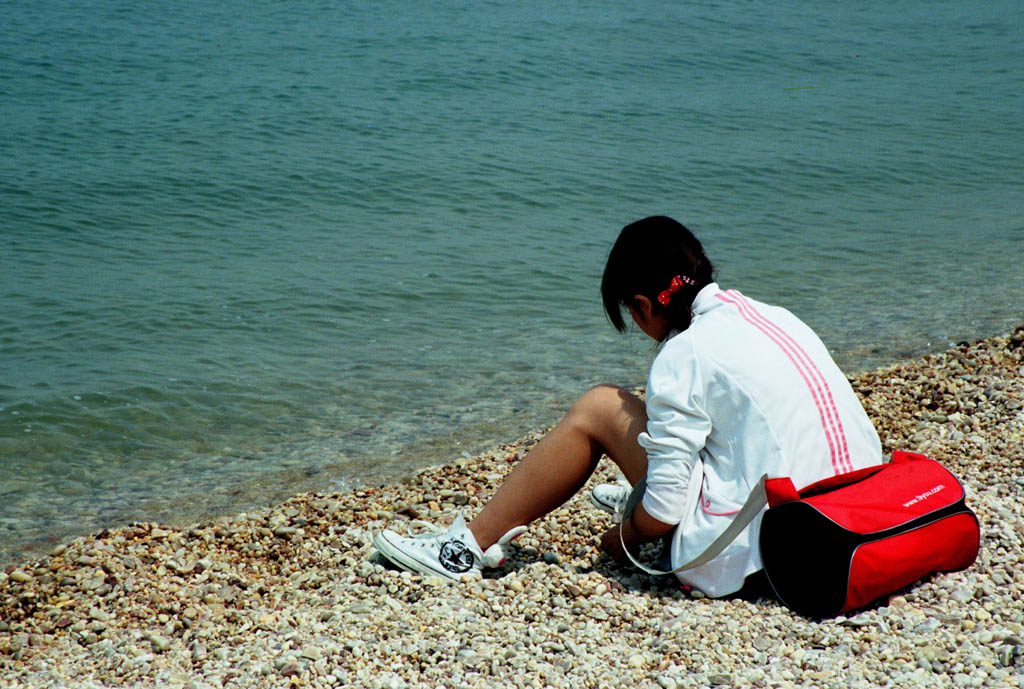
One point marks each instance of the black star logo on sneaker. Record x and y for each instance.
(455, 556)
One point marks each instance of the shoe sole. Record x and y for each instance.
(398, 556)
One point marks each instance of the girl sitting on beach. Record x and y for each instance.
(738, 389)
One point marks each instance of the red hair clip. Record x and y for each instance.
(677, 284)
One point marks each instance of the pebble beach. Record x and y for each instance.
(293, 595)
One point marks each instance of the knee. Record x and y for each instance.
(600, 402)
(604, 394)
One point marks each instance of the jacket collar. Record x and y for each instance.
(705, 299)
(702, 303)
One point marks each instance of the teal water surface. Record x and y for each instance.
(303, 245)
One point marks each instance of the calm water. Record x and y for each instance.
(308, 245)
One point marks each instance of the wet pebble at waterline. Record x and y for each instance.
(293, 596)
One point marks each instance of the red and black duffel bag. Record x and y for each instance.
(843, 542)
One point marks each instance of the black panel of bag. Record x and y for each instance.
(806, 558)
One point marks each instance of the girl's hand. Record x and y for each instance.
(639, 528)
(610, 544)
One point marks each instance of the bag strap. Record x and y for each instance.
(750, 509)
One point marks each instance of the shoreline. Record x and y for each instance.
(286, 596)
(289, 466)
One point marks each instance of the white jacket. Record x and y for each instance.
(747, 389)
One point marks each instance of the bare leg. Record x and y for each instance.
(606, 420)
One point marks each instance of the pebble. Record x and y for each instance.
(291, 591)
(862, 620)
(100, 615)
(19, 576)
(962, 596)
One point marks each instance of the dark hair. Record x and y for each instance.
(644, 259)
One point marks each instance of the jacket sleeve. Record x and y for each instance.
(677, 428)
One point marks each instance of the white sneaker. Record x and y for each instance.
(449, 553)
(610, 497)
